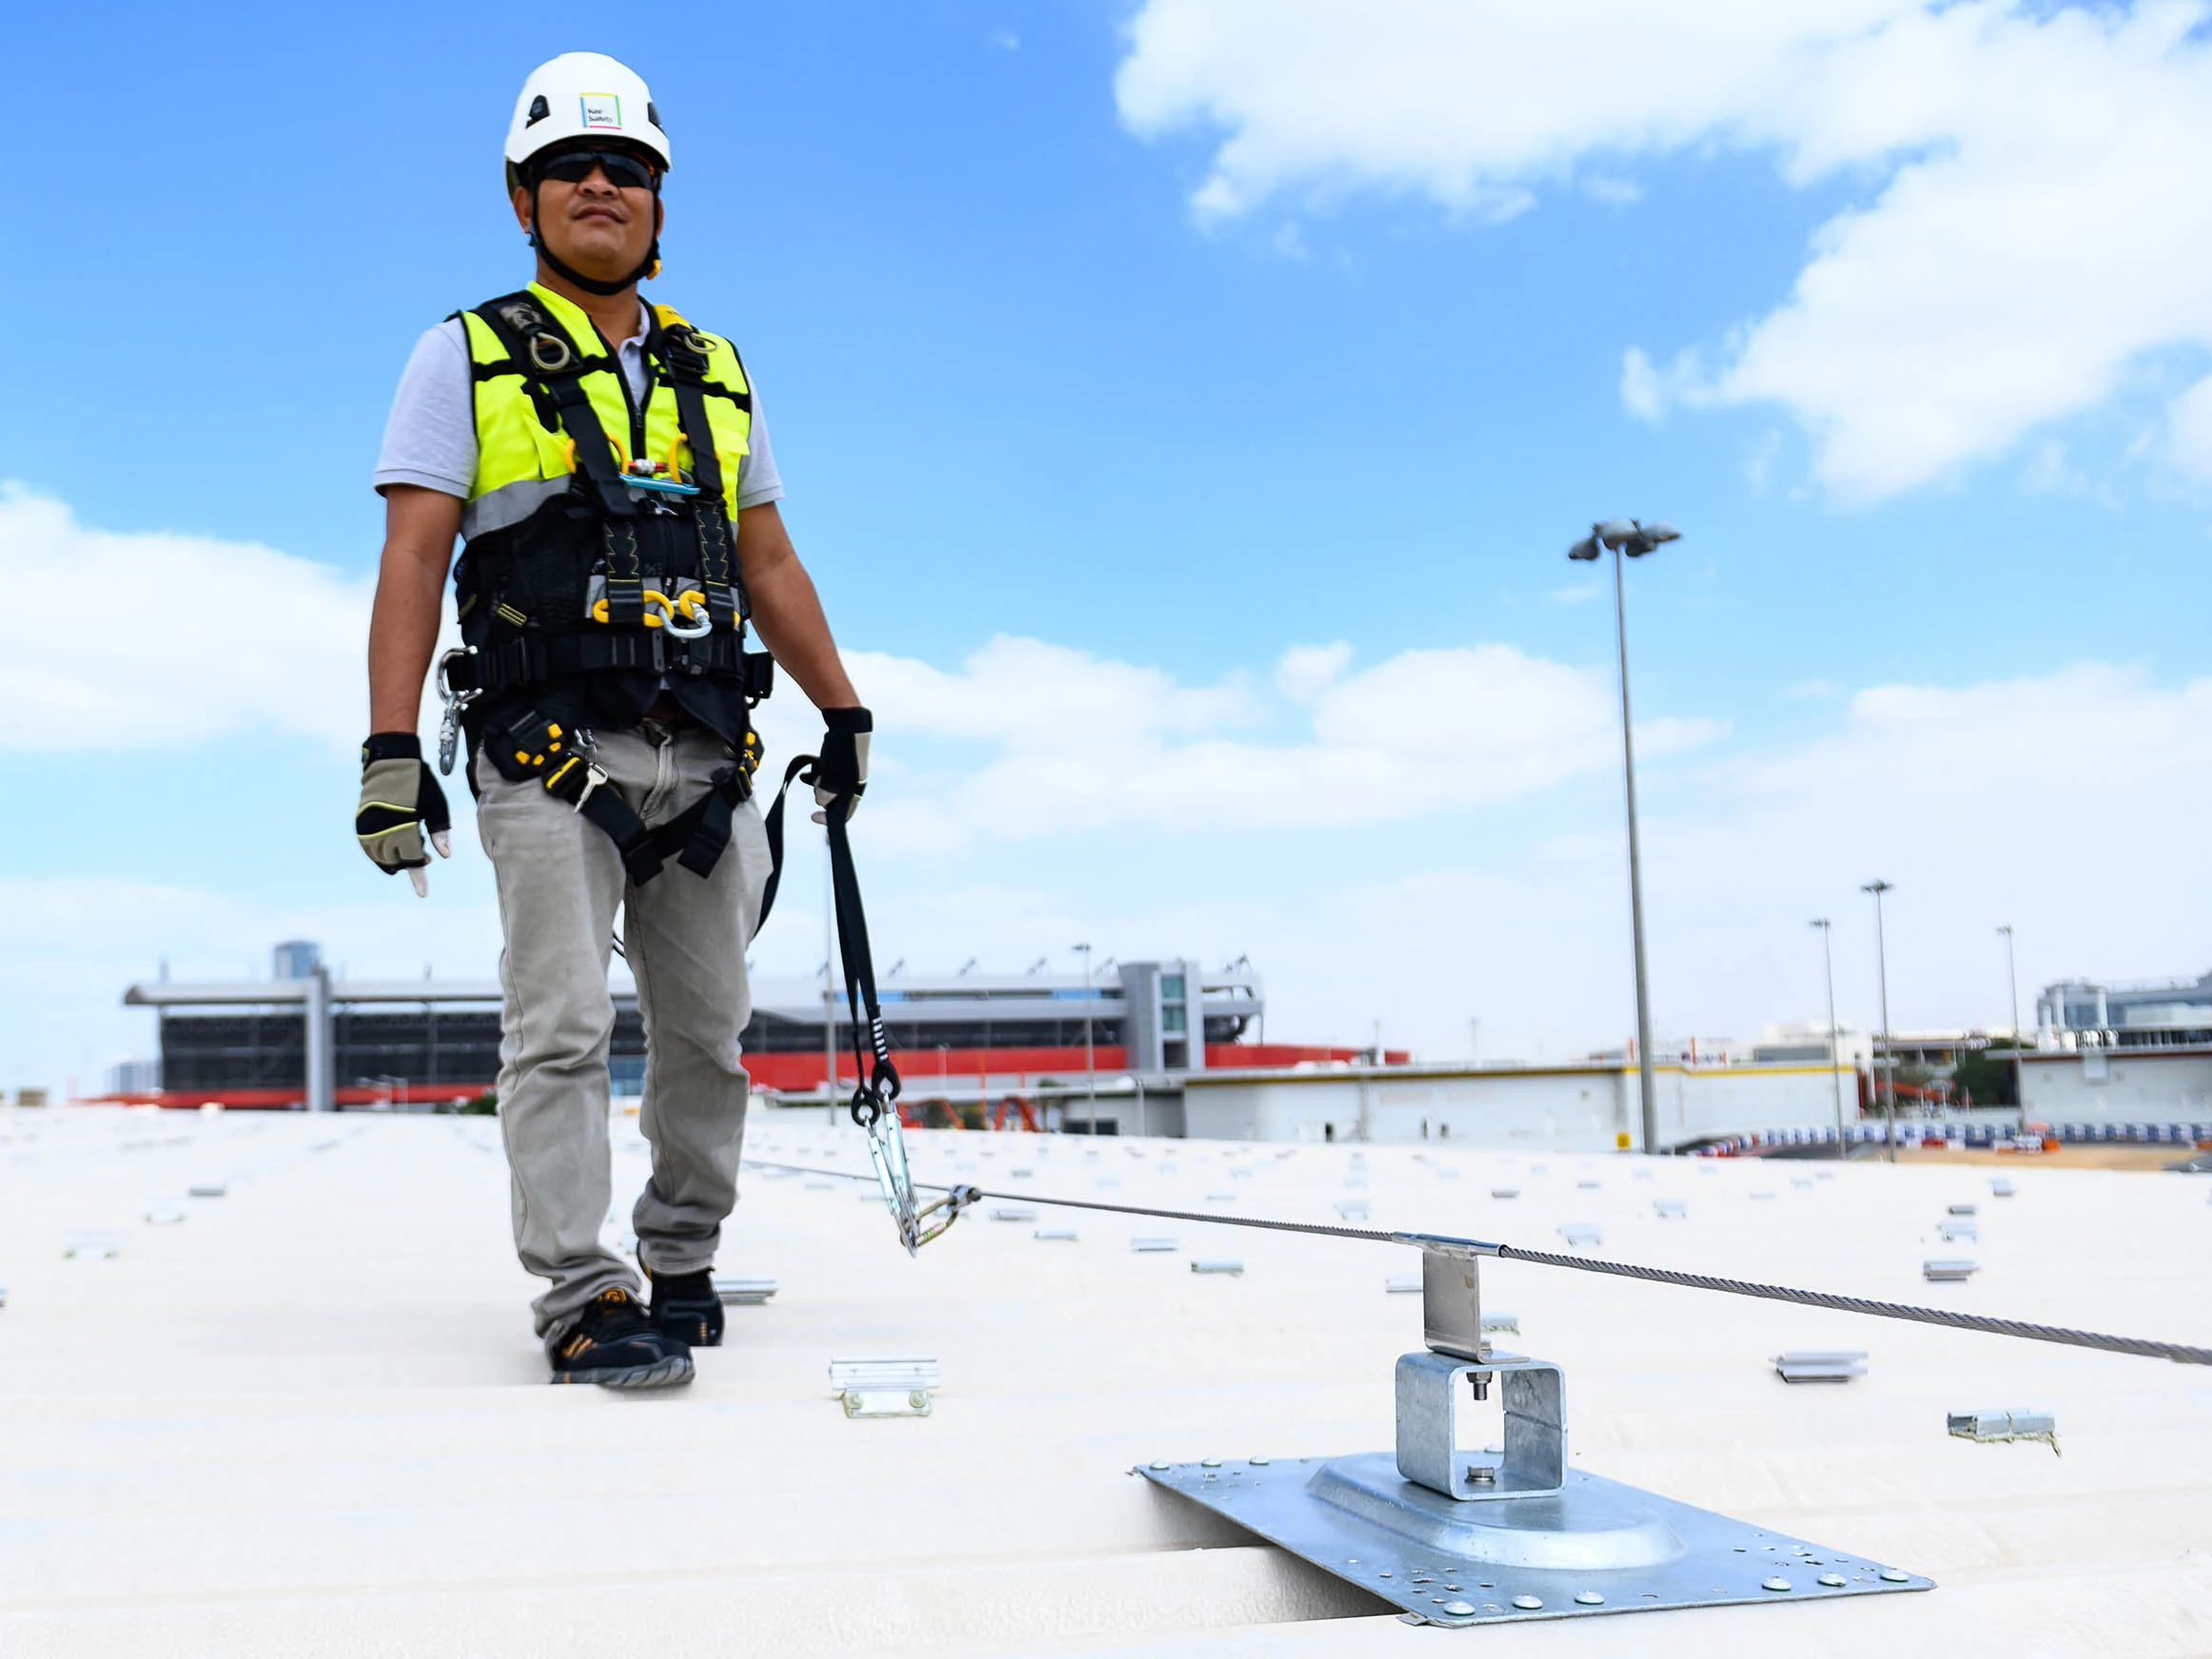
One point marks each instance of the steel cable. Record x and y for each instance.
(2177, 1352)
(2181, 1354)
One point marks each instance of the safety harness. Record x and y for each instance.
(599, 567)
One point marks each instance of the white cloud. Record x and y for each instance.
(1306, 671)
(1641, 393)
(2071, 804)
(125, 641)
(1083, 743)
(1468, 102)
(1648, 390)
(2034, 205)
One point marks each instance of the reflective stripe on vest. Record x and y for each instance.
(520, 464)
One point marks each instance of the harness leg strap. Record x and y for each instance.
(585, 788)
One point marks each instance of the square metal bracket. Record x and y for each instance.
(1533, 1463)
(1533, 1460)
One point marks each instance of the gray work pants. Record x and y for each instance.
(561, 879)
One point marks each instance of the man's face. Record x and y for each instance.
(594, 225)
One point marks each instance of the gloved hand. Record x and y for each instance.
(400, 801)
(843, 767)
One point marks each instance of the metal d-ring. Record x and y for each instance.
(561, 356)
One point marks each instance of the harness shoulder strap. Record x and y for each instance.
(679, 346)
(547, 357)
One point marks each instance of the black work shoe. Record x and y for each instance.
(616, 1345)
(686, 1307)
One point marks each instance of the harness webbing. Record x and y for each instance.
(726, 603)
(520, 322)
(525, 660)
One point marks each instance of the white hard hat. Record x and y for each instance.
(582, 95)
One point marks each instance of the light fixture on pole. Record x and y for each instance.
(1089, 1057)
(1630, 537)
(2019, 1073)
(1834, 1073)
(1887, 1061)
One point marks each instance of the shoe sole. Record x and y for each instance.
(672, 1372)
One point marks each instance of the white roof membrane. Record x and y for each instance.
(310, 1417)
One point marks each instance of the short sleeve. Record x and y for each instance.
(759, 482)
(430, 438)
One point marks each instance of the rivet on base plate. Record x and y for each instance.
(1528, 1602)
(1589, 1598)
(1775, 1584)
(1833, 1580)
(1892, 1576)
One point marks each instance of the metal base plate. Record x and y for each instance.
(1598, 1547)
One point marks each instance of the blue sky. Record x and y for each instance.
(1170, 339)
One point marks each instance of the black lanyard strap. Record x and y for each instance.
(877, 1090)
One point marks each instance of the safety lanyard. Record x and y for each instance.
(875, 1092)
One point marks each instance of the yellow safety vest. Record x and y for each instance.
(601, 565)
(521, 461)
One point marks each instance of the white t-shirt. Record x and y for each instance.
(431, 437)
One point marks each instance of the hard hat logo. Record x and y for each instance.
(602, 111)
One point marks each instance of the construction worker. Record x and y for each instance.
(605, 465)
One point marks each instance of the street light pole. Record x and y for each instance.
(1835, 1075)
(1889, 1060)
(2019, 1073)
(1089, 1056)
(1634, 539)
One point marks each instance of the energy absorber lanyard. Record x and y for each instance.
(874, 1104)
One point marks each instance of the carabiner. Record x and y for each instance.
(449, 723)
(692, 603)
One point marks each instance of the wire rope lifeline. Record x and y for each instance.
(2181, 1354)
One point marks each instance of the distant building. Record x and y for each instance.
(1589, 1106)
(1804, 1042)
(2080, 1013)
(2139, 1084)
(302, 1037)
(134, 1077)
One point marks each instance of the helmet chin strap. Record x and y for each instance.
(649, 267)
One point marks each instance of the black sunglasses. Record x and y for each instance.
(624, 170)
